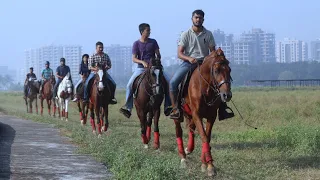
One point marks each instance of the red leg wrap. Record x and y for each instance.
(206, 152)
(66, 114)
(81, 116)
(99, 128)
(148, 133)
(180, 145)
(191, 142)
(144, 139)
(92, 124)
(156, 140)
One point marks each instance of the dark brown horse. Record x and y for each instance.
(150, 88)
(82, 107)
(209, 86)
(99, 101)
(33, 90)
(47, 93)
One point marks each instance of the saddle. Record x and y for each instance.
(139, 79)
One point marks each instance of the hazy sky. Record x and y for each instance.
(33, 23)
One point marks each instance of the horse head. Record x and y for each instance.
(66, 84)
(220, 74)
(100, 76)
(33, 83)
(52, 80)
(155, 75)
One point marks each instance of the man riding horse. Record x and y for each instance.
(61, 72)
(103, 59)
(194, 46)
(47, 73)
(25, 87)
(143, 50)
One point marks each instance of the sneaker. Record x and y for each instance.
(175, 114)
(75, 99)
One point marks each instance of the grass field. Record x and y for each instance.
(286, 144)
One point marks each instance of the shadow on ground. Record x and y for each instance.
(7, 135)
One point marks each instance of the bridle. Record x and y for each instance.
(215, 86)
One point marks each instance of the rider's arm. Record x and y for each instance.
(58, 74)
(182, 44)
(108, 61)
(157, 49)
(42, 75)
(91, 62)
(212, 43)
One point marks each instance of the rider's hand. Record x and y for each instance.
(144, 64)
(192, 60)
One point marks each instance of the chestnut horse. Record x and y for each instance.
(210, 84)
(83, 108)
(47, 94)
(99, 101)
(150, 87)
(33, 90)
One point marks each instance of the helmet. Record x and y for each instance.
(31, 68)
(47, 63)
(62, 59)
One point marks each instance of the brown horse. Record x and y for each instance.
(209, 86)
(33, 90)
(99, 101)
(150, 87)
(47, 94)
(82, 107)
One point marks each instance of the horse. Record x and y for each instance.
(149, 88)
(33, 90)
(99, 101)
(47, 94)
(82, 107)
(209, 85)
(64, 95)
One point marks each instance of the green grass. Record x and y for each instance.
(286, 144)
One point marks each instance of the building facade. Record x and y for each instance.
(291, 50)
(315, 50)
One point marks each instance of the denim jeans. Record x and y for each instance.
(76, 86)
(91, 75)
(129, 93)
(55, 89)
(179, 75)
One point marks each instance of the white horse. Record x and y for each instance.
(64, 96)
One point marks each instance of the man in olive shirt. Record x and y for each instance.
(194, 45)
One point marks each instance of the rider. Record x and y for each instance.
(61, 72)
(25, 87)
(194, 46)
(101, 58)
(83, 71)
(143, 50)
(47, 73)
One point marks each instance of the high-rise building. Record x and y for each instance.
(291, 50)
(121, 59)
(315, 50)
(263, 45)
(36, 58)
(225, 42)
(243, 52)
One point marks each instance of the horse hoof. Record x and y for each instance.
(66, 119)
(186, 151)
(203, 168)
(183, 163)
(211, 171)
(82, 122)
(99, 135)
(146, 146)
(94, 132)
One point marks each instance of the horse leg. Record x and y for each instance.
(92, 120)
(80, 112)
(27, 105)
(49, 106)
(36, 105)
(66, 105)
(97, 111)
(143, 119)
(206, 157)
(156, 129)
(30, 105)
(192, 128)
(41, 106)
(149, 123)
(179, 139)
(86, 112)
(106, 115)
(209, 125)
